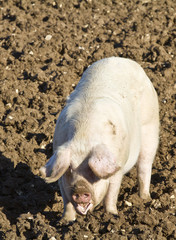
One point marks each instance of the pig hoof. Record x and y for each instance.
(69, 217)
(145, 196)
(112, 210)
(68, 220)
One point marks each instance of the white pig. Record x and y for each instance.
(110, 123)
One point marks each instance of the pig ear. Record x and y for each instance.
(56, 166)
(102, 162)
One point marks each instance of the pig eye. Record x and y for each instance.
(86, 195)
(70, 169)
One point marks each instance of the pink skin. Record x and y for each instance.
(81, 198)
(82, 202)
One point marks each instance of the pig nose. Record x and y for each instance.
(81, 197)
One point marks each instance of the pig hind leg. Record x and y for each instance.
(149, 144)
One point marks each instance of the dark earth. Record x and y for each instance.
(45, 45)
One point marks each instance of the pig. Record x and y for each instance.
(109, 124)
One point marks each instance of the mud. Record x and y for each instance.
(44, 48)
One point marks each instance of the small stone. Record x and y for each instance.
(109, 228)
(164, 101)
(82, 48)
(31, 53)
(48, 37)
(128, 203)
(9, 105)
(85, 26)
(52, 238)
(156, 203)
(123, 231)
(43, 146)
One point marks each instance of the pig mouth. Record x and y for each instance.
(83, 208)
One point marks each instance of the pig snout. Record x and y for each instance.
(81, 197)
(82, 202)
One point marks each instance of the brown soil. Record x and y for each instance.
(45, 47)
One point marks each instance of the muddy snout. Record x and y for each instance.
(81, 197)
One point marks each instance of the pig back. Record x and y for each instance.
(121, 80)
(115, 89)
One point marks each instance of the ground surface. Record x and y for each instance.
(44, 48)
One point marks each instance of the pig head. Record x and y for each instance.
(82, 187)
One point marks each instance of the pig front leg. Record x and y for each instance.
(110, 200)
(69, 210)
(149, 144)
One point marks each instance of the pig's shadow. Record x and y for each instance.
(21, 191)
